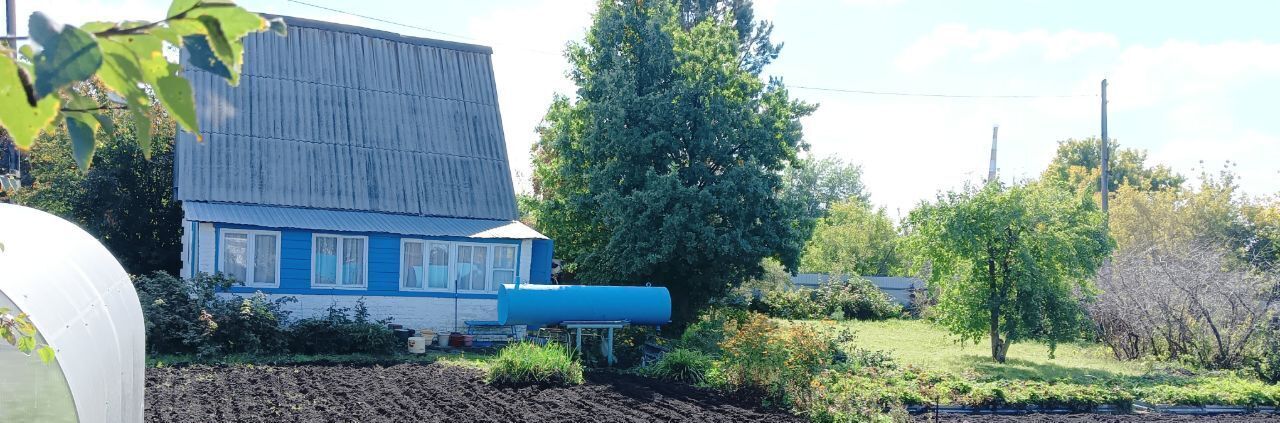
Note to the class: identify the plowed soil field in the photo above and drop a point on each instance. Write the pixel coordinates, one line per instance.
(424, 393)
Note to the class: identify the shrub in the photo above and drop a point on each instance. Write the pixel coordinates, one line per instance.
(1267, 363)
(792, 304)
(707, 332)
(777, 361)
(1182, 300)
(682, 365)
(245, 325)
(529, 363)
(342, 330)
(854, 298)
(185, 316)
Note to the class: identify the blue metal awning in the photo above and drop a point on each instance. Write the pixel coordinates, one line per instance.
(355, 221)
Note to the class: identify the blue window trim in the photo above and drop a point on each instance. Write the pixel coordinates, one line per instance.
(398, 292)
(349, 292)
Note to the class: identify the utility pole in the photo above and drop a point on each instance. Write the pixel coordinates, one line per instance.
(991, 172)
(11, 23)
(13, 158)
(1106, 154)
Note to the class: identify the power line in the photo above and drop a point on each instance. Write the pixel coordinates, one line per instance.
(424, 29)
(840, 90)
(909, 94)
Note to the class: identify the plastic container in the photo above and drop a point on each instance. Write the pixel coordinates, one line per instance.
(428, 336)
(403, 334)
(442, 339)
(468, 340)
(417, 345)
(455, 340)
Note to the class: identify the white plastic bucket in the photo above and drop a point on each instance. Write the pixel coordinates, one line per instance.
(417, 345)
(442, 339)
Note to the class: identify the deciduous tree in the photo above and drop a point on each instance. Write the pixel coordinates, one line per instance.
(1076, 166)
(666, 166)
(853, 239)
(1011, 262)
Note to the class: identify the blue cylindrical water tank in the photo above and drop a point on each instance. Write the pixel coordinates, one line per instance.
(540, 305)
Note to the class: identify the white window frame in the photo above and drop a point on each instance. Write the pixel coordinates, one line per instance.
(339, 284)
(515, 262)
(426, 259)
(452, 283)
(250, 254)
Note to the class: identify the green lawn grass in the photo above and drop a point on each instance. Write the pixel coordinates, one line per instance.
(926, 345)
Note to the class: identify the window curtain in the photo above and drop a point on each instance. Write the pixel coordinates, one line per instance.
(326, 261)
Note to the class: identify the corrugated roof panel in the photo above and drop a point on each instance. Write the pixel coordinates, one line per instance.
(326, 85)
(355, 221)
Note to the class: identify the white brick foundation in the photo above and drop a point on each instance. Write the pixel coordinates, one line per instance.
(437, 314)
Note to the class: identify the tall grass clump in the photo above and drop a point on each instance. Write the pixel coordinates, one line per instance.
(682, 365)
(529, 363)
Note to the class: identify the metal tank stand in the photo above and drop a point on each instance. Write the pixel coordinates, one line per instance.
(606, 347)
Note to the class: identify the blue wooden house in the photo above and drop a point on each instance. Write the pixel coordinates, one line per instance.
(353, 163)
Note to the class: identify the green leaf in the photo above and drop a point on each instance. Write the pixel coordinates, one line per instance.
(23, 122)
(26, 344)
(185, 27)
(69, 55)
(221, 46)
(81, 127)
(180, 6)
(278, 26)
(80, 101)
(201, 56)
(46, 353)
(167, 34)
(175, 93)
(148, 50)
(98, 26)
(226, 28)
(142, 130)
(122, 73)
(108, 127)
(27, 52)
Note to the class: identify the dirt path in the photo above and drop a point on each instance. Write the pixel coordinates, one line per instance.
(423, 393)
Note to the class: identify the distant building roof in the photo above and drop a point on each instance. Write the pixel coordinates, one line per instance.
(355, 221)
(341, 117)
(899, 288)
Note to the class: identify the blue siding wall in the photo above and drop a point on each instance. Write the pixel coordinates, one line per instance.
(540, 261)
(384, 264)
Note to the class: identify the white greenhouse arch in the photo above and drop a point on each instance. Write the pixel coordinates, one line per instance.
(83, 304)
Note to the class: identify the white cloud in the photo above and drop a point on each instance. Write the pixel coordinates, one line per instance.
(529, 68)
(911, 148)
(985, 45)
(1183, 71)
(872, 3)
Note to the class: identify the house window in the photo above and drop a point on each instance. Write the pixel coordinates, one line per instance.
(472, 263)
(424, 264)
(339, 261)
(504, 266)
(251, 257)
(438, 266)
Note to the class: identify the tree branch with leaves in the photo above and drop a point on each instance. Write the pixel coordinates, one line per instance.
(37, 82)
(128, 59)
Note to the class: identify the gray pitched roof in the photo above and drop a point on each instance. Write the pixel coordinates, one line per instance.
(341, 117)
(355, 221)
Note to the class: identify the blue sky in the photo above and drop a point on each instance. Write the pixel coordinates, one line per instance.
(1190, 81)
